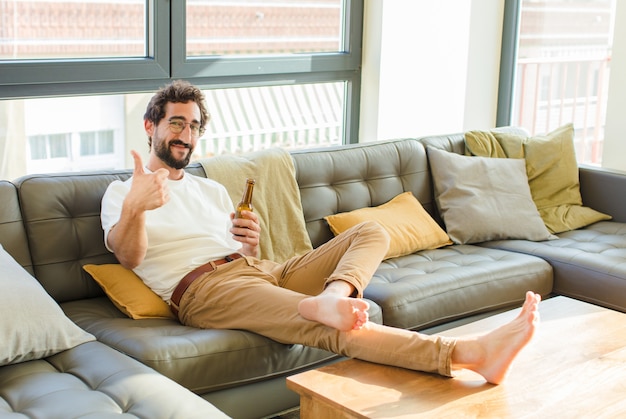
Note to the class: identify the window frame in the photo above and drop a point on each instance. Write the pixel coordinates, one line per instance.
(508, 61)
(166, 61)
(51, 77)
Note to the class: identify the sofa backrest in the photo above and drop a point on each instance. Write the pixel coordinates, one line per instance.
(456, 142)
(343, 178)
(12, 234)
(61, 216)
(61, 212)
(56, 229)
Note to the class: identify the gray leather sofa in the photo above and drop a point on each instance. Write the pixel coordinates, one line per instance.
(89, 380)
(55, 230)
(589, 263)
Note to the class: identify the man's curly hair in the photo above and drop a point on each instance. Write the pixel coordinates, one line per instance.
(178, 91)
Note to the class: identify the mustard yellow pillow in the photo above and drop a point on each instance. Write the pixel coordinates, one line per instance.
(128, 292)
(552, 172)
(410, 227)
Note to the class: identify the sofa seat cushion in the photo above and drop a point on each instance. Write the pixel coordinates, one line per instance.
(200, 360)
(589, 263)
(435, 286)
(93, 380)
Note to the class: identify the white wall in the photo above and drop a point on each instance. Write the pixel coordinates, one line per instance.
(614, 153)
(432, 67)
(483, 64)
(429, 67)
(135, 134)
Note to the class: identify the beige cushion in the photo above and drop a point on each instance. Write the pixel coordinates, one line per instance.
(552, 173)
(33, 325)
(482, 199)
(128, 292)
(410, 227)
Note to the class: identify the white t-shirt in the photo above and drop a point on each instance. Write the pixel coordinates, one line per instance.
(191, 229)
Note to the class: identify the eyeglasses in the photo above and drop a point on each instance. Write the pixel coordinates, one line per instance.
(177, 126)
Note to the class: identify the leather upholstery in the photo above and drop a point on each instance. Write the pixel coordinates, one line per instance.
(430, 287)
(594, 184)
(61, 214)
(93, 380)
(340, 179)
(61, 232)
(201, 360)
(12, 233)
(589, 263)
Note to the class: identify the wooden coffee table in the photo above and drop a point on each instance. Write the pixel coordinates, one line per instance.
(574, 367)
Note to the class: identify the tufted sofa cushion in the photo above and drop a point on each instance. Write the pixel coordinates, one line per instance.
(201, 360)
(93, 380)
(581, 258)
(435, 286)
(342, 179)
(89, 380)
(425, 288)
(12, 233)
(61, 213)
(62, 219)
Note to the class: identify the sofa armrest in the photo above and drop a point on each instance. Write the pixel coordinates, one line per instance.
(604, 190)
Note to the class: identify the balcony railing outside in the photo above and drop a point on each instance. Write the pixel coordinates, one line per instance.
(554, 91)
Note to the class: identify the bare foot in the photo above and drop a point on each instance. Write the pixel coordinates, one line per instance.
(491, 355)
(342, 313)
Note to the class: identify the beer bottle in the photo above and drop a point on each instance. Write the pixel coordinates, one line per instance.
(246, 199)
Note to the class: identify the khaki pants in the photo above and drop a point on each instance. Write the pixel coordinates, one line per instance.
(262, 296)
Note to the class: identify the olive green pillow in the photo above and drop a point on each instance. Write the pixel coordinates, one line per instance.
(485, 144)
(410, 227)
(552, 172)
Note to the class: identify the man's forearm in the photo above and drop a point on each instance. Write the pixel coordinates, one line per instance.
(128, 238)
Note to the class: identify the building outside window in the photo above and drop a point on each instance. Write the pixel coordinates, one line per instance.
(563, 68)
(276, 74)
(73, 134)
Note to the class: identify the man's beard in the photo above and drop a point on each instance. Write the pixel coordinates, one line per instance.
(163, 152)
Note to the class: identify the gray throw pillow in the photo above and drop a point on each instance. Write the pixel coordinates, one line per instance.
(482, 199)
(32, 324)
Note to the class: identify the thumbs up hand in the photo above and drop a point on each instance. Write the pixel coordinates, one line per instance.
(149, 190)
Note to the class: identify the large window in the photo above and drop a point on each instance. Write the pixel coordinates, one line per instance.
(556, 65)
(263, 27)
(276, 73)
(254, 118)
(67, 29)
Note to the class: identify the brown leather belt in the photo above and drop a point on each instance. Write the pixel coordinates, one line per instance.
(193, 275)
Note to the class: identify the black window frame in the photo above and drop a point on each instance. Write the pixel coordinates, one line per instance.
(508, 62)
(166, 61)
